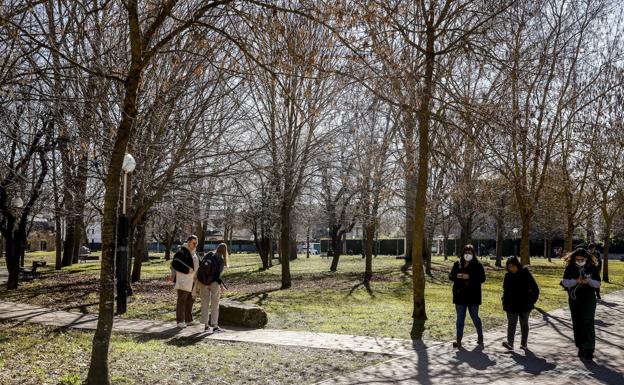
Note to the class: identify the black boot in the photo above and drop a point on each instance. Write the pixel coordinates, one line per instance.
(457, 344)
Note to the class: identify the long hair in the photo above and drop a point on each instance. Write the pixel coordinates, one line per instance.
(513, 261)
(222, 250)
(571, 257)
(466, 248)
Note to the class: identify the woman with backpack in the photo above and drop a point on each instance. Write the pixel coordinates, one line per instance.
(520, 293)
(467, 276)
(210, 286)
(581, 279)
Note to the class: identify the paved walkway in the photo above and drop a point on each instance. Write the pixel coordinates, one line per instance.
(552, 359)
(4, 277)
(157, 329)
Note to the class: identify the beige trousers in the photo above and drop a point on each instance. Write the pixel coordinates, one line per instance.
(210, 296)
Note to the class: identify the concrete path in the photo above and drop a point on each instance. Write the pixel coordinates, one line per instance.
(551, 359)
(4, 277)
(164, 330)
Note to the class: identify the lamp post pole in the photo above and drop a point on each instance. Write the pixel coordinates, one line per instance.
(122, 241)
(17, 203)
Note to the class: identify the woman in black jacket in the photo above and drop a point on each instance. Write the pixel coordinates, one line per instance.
(467, 276)
(520, 292)
(581, 279)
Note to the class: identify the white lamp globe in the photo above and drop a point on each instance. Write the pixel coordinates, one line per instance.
(128, 163)
(17, 202)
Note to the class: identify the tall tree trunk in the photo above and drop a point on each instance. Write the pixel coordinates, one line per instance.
(138, 250)
(168, 245)
(336, 243)
(569, 235)
(525, 243)
(444, 247)
(98, 369)
(284, 242)
(549, 250)
(58, 226)
(410, 201)
(466, 230)
(78, 237)
(420, 210)
(369, 240)
(308, 242)
(605, 257)
(12, 262)
(68, 244)
(499, 241)
(80, 186)
(200, 231)
(427, 251)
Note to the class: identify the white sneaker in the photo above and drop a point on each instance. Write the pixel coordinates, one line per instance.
(181, 325)
(216, 329)
(192, 323)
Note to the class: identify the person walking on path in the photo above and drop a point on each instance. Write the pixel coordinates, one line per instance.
(210, 286)
(467, 276)
(520, 293)
(184, 266)
(591, 248)
(581, 279)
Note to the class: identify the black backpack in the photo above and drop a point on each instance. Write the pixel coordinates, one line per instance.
(207, 268)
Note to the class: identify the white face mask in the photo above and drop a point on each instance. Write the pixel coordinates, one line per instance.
(468, 257)
(580, 264)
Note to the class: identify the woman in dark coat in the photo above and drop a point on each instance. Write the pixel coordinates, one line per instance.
(581, 279)
(520, 292)
(467, 276)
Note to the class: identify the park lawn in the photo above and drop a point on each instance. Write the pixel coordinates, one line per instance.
(36, 354)
(319, 300)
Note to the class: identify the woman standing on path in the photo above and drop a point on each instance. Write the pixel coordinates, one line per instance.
(210, 286)
(184, 267)
(467, 276)
(520, 292)
(581, 279)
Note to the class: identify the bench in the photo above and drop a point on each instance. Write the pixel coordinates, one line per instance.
(32, 272)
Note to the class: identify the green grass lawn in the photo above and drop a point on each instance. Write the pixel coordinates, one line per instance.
(319, 300)
(36, 354)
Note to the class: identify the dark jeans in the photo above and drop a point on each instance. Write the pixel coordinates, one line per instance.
(512, 321)
(461, 317)
(184, 307)
(583, 314)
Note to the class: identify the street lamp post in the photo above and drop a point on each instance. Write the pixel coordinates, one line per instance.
(122, 241)
(515, 233)
(17, 203)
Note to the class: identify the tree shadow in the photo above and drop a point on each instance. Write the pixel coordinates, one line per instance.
(533, 364)
(81, 308)
(604, 374)
(261, 295)
(476, 358)
(188, 340)
(422, 364)
(171, 333)
(366, 284)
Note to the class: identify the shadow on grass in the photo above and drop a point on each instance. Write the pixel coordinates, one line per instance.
(171, 333)
(261, 296)
(82, 307)
(189, 340)
(366, 285)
